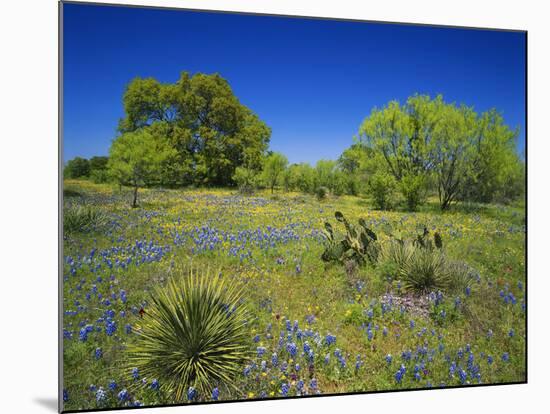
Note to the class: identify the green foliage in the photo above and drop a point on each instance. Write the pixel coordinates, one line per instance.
(413, 189)
(359, 245)
(381, 188)
(425, 271)
(321, 193)
(194, 334)
(136, 158)
(246, 180)
(82, 219)
(77, 168)
(273, 169)
(204, 122)
(464, 155)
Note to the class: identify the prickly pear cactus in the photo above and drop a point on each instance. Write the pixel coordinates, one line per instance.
(358, 245)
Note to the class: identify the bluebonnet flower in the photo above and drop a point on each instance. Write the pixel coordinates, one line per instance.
(385, 331)
(389, 359)
(489, 359)
(274, 359)
(65, 395)
(490, 333)
(261, 351)
(128, 328)
(100, 395)
(330, 339)
(462, 375)
(155, 384)
(370, 334)
(417, 376)
(215, 394)
(112, 385)
(256, 338)
(83, 335)
(263, 365)
(467, 291)
(285, 389)
(399, 374)
(411, 324)
(123, 395)
(135, 373)
(313, 384)
(511, 333)
(93, 388)
(358, 363)
(110, 328)
(310, 319)
(300, 385)
(98, 353)
(505, 357)
(123, 297)
(327, 358)
(288, 325)
(291, 349)
(247, 370)
(191, 393)
(298, 269)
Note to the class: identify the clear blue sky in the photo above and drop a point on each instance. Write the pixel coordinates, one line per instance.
(312, 81)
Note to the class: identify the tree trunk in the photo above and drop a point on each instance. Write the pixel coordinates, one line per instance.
(134, 201)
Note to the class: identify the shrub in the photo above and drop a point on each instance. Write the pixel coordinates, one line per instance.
(82, 219)
(381, 187)
(412, 188)
(194, 334)
(246, 179)
(461, 275)
(321, 193)
(397, 252)
(425, 270)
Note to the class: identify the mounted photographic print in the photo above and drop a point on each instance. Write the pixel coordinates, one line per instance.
(258, 207)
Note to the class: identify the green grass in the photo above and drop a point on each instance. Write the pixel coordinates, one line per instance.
(272, 246)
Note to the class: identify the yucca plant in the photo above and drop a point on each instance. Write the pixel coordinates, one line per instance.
(194, 334)
(82, 219)
(424, 271)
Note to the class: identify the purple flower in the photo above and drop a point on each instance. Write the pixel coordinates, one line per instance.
(215, 394)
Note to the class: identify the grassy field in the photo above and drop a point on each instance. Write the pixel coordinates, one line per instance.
(318, 328)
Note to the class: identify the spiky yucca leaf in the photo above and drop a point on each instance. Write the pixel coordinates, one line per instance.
(425, 270)
(194, 334)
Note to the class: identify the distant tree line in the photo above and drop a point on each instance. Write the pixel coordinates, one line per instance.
(196, 132)
(94, 168)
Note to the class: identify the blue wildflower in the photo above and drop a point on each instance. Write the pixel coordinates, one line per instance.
(123, 395)
(215, 394)
(191, 393)
(100, 395)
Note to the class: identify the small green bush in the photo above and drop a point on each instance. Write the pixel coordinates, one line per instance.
(247, 180)
(381, 187)
(413, 189)
(321, 193)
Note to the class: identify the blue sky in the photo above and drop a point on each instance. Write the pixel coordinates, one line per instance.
(312, 81)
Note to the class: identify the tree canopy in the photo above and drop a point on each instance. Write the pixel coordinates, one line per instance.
(211, 131)
(468, 156)
(136, 157)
